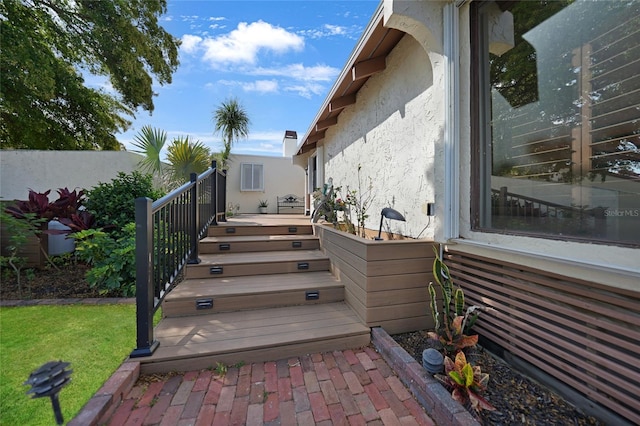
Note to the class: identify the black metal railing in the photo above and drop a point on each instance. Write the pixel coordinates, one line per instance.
(167, 235)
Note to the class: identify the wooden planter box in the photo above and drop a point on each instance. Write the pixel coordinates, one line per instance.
(385, 281)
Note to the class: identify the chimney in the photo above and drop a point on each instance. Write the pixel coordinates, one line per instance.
(290, 143)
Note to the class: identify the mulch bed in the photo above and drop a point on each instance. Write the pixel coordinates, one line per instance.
(65, 283)
(519, 400)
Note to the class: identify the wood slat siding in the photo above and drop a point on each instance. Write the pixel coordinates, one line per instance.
(584, 334)
(385, 281)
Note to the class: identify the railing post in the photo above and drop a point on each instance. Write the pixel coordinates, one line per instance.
(214, 191)
(222, 194)
(194, 216)
(145, 345)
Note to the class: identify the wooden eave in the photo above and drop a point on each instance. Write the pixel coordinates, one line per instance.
(367, 59)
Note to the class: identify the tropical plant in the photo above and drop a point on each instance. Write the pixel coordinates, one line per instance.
(466, 382)
(232, 121)
(263, 203)
(113, 203)
(113, 260)
(150, 142)
(37, 211)
(450, 334)
(19, 231)
(185, 157)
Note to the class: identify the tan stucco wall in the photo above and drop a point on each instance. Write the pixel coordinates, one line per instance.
(391, 132)
(44, 170)
(281, 177)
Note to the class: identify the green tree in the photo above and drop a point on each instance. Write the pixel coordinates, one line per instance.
(185, 157)
(44, 101)
(232, 121)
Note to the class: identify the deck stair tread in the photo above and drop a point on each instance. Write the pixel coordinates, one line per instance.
(234, 286)
(266, 334)
(260, 257)
(247, 229)
(251, 238)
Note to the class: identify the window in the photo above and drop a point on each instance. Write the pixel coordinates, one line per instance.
(556, 119)
(251, 177)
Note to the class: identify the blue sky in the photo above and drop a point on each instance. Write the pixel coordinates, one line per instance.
(278, 58)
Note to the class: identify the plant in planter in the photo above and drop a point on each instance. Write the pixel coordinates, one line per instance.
(465, 382)
(262, 206)
(450, 336)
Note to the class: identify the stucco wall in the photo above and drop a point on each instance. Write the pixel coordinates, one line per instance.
(391, 132)
(44, 170)
(281, 177)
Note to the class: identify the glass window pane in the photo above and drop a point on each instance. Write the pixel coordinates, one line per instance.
(563, 120)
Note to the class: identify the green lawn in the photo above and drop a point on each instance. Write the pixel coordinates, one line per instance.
(94, 339)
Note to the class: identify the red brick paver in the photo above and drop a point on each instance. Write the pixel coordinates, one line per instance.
(350, 387)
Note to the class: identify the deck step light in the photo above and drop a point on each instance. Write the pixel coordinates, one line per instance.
(48, 380)
(389, 213)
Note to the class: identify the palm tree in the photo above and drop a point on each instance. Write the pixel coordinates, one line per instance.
(186, 157)
(232, 122)
(150, 142)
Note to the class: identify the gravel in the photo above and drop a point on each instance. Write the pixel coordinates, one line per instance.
(519, 400)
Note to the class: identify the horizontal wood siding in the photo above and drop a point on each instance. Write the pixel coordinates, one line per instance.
(385, 281)
(584, 334)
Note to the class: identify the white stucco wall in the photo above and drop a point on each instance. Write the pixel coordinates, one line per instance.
(281, 177)
(391, 132)
(44, 170)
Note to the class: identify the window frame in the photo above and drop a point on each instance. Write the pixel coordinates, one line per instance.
(480, 137)
(243, 184)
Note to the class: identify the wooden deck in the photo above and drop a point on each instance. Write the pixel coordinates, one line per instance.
(262, 291)
(198, 342)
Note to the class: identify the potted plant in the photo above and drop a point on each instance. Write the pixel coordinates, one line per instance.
(262, 206)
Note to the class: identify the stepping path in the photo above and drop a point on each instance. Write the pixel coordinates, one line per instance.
(351, 387)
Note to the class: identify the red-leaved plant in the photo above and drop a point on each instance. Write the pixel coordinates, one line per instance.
(466, 382)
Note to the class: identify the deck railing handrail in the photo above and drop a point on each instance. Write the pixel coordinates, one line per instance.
(167, 234)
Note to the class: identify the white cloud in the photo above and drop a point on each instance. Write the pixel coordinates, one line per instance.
(243, 44)
(300, 72)
(329, 30)
(261, 86)
(190, 43)
(306, 90)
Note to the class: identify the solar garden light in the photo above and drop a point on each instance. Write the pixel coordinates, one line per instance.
(432, 361)
(48, 380)
(389, 213)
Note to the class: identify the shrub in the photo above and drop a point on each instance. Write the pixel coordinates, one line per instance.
(19, 231)
(113, 260)
(113, 204)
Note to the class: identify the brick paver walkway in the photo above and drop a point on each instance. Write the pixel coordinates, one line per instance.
(334, 388)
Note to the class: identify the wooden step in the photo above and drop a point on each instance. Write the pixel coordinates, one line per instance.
(254, 243)
(210, 295)
(260, 263)
(202, 341)
(244, 230)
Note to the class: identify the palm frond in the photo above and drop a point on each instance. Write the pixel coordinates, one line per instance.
(186, 157)
(150, 142)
